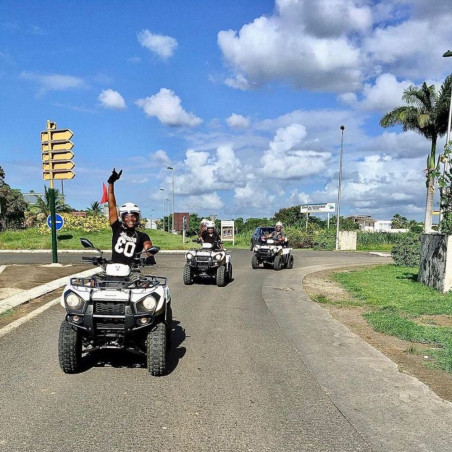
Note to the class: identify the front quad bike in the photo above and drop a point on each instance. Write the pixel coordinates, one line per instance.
(272, 254)
(120, 308)
(208, 261)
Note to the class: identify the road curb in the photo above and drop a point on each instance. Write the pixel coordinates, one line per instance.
(25, 296)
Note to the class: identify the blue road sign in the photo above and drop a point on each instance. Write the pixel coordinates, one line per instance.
(59, 221)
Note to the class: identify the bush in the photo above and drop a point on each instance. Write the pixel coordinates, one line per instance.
(325, 240)
(298, 238)
(407, 252)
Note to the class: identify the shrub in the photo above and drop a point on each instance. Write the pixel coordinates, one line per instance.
(325, 240)
(407, 252)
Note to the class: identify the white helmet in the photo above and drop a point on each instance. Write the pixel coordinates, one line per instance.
(129, 207)
(278, 224)
(203, 222)
(210, 224)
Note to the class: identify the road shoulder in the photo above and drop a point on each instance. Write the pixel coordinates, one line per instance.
(386, 406)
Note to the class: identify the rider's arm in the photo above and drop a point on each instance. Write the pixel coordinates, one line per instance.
(112, 211)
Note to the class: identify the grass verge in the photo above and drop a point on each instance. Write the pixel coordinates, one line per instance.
(400, 306)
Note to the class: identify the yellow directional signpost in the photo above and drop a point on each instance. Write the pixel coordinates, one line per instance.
(57, 164)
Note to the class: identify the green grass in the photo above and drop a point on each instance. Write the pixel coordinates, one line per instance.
(397, 301)
(67, 239)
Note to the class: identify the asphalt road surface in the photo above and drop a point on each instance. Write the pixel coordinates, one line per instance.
(236, 382)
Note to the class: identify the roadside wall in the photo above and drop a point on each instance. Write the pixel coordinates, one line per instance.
(435, 266)
(347, 240)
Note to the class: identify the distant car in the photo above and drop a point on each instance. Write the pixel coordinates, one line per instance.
(259, 234)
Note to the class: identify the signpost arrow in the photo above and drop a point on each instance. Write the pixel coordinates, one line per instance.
(58, 165)
(58, 175)
(56, 135)
(60, 155)
(56, 145)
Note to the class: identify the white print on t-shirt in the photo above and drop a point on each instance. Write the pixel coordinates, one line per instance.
(126, 245)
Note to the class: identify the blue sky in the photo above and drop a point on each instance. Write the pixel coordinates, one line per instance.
(244, 99)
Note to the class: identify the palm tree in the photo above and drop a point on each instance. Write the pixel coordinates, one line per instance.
(426, 113)
(43, 203)
(95, 208)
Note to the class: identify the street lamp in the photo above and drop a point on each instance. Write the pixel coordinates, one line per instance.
(152, 210)
(163, 209)
(172, 223)
(445, 163)
(339, 188)
(449, 54)
(168, 212)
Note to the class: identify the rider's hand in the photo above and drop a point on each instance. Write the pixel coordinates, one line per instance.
(114, 176)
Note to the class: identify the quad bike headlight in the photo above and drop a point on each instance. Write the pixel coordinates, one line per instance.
(189, 256)
(256, 247)
(73, 301)
(148, 304)
(219, 256)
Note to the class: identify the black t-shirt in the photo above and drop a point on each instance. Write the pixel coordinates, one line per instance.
(214, 238)
(126, 243)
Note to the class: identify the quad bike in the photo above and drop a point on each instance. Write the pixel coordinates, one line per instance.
(120, 308)
(272, 254)
(208, 261)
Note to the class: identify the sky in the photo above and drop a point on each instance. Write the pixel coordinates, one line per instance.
(244, 99)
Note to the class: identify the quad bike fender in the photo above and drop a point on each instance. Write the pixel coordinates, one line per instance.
(286, 251)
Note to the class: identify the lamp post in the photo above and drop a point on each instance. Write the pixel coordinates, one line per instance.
(172, 222)
(339, 188)
(163, 209)
(152, 210)
(168, 213)
(449, 54)
(445, 162)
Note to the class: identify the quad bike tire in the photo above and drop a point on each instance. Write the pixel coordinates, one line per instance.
(230, 272)
(188, 275)
(254, 262)
(290, 262)
(169, 326)
(277, 263)
(220, 277)
(156, 350)
(69, 349)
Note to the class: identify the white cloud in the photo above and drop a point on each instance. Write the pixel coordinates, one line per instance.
(54, 82)
(337, 45)
(166, 107)
(384, 95)
(163, 46)
(112, 100)
(286, 159)
(238, 121)
(160, 157)
(205, 172)
(204, 203)
(279, 47)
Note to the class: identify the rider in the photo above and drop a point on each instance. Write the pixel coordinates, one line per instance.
(126, 240)
(203, 227)
(210, 236)
(278, 234)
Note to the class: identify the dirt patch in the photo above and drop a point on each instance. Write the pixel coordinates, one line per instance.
(16, 278)
(410, 357)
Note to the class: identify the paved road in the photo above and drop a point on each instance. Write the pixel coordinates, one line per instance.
(240, 379)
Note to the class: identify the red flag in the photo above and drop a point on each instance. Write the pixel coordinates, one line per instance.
(104, 194)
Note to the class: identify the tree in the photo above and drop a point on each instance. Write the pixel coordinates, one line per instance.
(289, 216)
(426, 113)
(43, 204)
(12, 204)
(95, 209)
(399, 222)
